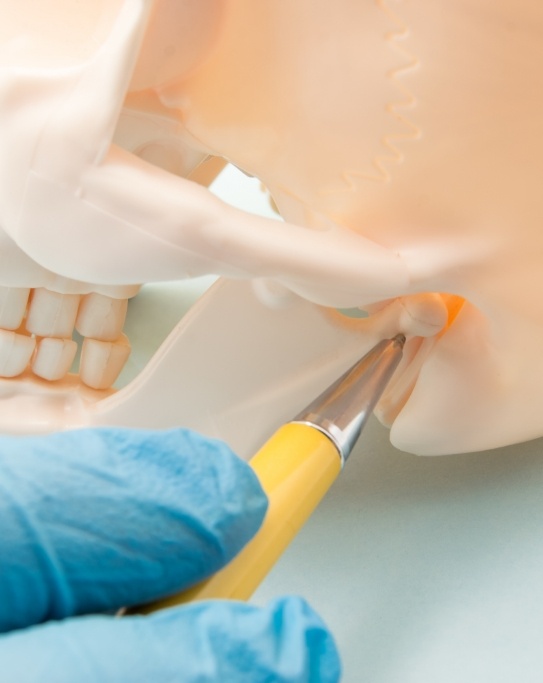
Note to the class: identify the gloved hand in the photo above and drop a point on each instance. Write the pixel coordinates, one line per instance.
(96, 519)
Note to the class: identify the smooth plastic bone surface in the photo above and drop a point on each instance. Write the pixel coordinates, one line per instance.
(399, 139)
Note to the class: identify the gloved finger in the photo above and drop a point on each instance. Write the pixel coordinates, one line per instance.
(96, 519)
(209, 641)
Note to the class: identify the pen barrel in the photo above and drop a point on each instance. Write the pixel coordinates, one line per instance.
(296, 467)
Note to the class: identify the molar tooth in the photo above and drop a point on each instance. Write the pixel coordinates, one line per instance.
(15, 352)
(102, 362)
(101, 317)
(52, 314)
(13, 301)
(53, 358)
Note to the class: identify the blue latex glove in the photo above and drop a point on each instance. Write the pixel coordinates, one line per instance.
(97, 519)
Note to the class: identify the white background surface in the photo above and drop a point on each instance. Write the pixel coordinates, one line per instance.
(427, 570)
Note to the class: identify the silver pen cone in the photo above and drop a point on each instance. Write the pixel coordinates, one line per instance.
(343, 409)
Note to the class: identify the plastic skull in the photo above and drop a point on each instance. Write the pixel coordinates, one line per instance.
(399, 139)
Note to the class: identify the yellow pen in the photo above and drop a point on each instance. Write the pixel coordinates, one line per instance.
(296, 467)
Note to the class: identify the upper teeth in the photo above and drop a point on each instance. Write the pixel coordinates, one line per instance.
(51, 314)
(38, 335)
(13, 301)
(101, 317)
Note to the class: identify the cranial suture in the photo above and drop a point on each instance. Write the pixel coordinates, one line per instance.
(400, 141)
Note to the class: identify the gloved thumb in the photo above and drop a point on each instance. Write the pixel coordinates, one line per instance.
(219, 642)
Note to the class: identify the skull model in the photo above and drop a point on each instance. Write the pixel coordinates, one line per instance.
(400, 141)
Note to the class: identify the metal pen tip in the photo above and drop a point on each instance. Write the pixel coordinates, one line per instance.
(343, 409)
